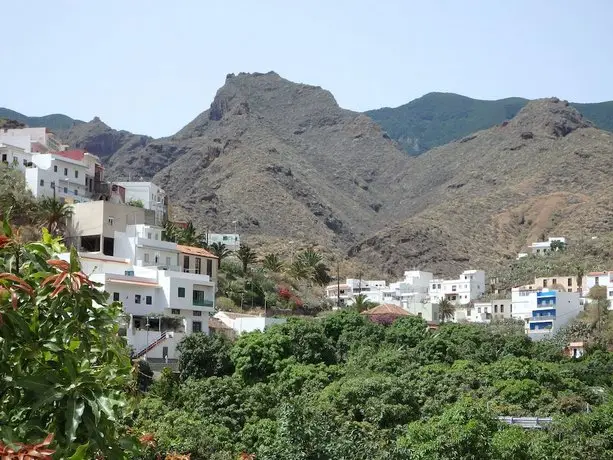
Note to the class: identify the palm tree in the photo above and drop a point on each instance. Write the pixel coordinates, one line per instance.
(580, 273)
(246, 255)
(221, 251)
(300, 271)
(54, 214)
(361, 303)
(310, 258)
(170, 232)
(190, 237)
(272, 263)
(446, 310)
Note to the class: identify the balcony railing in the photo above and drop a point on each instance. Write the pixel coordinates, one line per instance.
(543, 318)
(203, 303)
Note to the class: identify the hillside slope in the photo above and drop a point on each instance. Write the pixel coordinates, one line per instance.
(280, 158)
(479, 200)
(438, 118)
(55, 122)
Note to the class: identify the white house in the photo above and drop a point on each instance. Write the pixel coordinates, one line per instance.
(484, 312)
(600, 279)
(152, 196)
(468, 287)
(161, 306)
(231, 240)
(242, 322)
(352, 287)
(544, 311)
(543, 247)
(31, 139)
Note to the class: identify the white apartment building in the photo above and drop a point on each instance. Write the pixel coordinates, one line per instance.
(40, 140)
(152, 197)
(162, 305)
(354, 286)
(543, 247)
(468, 287)
(484, 312)
(231, 240)
(600, 279)
(544, 311)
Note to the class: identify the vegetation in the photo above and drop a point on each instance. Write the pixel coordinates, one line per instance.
(136, 203)
(438, 118)
(65, 373)
(54, 215)
(345, 387)
(187, 235)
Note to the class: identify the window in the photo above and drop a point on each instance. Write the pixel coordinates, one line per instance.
(167, 261)
(209, 267)
(197, 313)
(544, 283)
(175, 311)
(181, 292)
(115, 296)
(149, 235)
(76, 174)
(156, 236)
(42, 182)
(198, 265)
(65, 189)
(495, 308)
(502, 309)
(468, 312)
(197, 326)
(569, 290)
(596, 280)
(111, 220)
(55, 168)
(65, 171)
(419, 314)
(478, 309)
(198, 298)
(554, 281)
(186, 263)
(148, 300)
(146, 257)
(136, 298)
(4, 158)
(569, 282)
(453, 288)
(76, 192)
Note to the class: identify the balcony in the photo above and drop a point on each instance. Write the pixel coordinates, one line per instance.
(203, 303)
(543, 318)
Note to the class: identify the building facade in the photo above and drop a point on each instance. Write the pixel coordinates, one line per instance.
(467, 288)
(544, 247)
(484, 312)
(231, 240)
(150, 195)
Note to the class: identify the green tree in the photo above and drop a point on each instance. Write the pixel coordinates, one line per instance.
(446, 310)
(189, 236)
(136, 203)
(54, 215)
(220, 251)
(64, 368)
(272, 263)
(204, 356)
(170, 232)
(557, 246)
(246, 255)
(361, 303)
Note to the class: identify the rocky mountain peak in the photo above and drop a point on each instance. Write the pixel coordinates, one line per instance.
(551, 117)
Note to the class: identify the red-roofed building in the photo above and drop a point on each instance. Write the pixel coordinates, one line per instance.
(198, 261)
(74, 154)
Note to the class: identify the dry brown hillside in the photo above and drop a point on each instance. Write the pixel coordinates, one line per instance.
(479, 200)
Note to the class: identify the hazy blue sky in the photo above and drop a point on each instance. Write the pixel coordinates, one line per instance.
(150, 66)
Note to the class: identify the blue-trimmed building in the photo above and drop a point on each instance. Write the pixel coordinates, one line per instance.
(549, 311)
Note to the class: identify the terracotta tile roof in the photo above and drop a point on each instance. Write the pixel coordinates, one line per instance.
(195, 251)
(387, 309)
(74, 154)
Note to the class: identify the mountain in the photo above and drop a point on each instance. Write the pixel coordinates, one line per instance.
(280, 158)
(55, 122)
(102, 140)
(438, 118)
(94, 136)
(479, 200)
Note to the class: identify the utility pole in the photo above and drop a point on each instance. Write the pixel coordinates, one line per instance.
(338, 284)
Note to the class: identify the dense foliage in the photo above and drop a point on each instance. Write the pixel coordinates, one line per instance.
(65, 372)
(342, 387)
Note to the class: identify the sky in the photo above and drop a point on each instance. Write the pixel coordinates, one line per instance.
(151, 66)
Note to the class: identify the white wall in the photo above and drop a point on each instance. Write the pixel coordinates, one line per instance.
(249, 324)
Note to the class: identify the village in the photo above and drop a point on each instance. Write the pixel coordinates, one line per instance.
(168, 290)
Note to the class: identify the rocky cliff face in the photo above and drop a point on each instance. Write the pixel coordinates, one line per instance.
(282, 159)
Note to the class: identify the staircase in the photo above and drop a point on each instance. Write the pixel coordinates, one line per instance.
(151, 346)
